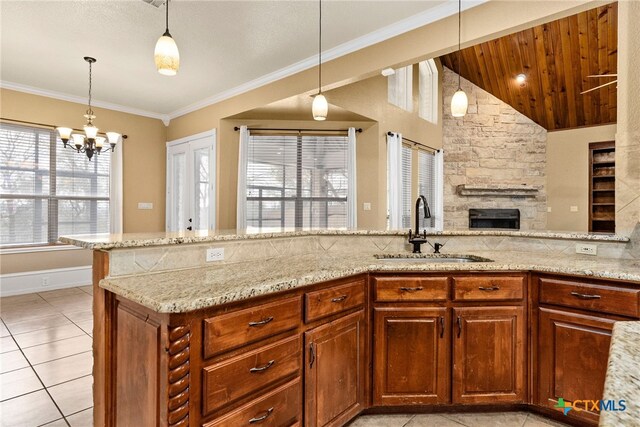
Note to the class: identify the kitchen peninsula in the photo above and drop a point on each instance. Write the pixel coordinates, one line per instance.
(313, 328)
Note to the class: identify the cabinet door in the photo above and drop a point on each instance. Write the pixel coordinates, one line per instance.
(335, 371)
(489, 361)
(572, 364)
(411, 361)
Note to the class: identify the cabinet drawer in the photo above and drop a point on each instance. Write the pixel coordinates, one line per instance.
(228, 331)
(411, 288)
(606, 299)
(281, 407)
(226, 382)
(325, 302)
(488, 288)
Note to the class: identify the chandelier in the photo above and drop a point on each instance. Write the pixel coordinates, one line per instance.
(89, 142)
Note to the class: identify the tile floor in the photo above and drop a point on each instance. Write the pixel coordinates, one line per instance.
(45, 359)
(46, 364)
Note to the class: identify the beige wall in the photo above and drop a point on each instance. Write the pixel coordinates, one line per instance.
(143, 167)
(568, 175)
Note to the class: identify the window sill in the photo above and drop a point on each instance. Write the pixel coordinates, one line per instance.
(32, 249)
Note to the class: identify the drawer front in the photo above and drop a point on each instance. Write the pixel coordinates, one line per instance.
(226, 382)
(606, 299)
(325, 302)
(411, 288)
(228, 331)
(488, 288)
(280, 408)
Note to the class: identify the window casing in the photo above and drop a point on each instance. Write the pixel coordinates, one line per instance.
(297, 181)
(46, 190)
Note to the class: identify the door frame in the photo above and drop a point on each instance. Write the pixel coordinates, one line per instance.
(212, 134)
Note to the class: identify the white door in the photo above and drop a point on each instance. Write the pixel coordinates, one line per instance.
(191, 184)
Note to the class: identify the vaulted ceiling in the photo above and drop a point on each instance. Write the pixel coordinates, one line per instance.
(556, 58)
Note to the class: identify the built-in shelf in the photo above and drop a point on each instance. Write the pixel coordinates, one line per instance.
(602, 173)
(497, 190)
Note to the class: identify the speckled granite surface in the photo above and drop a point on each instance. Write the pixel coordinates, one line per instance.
(192, 289)
(623, 375)
(118, 241)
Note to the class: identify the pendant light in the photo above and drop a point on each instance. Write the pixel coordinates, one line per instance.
(320, 107)
(459, 101)
(166, 53)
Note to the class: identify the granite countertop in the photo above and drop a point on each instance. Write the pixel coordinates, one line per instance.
(192, 289)
(132, 240)
(623, 375)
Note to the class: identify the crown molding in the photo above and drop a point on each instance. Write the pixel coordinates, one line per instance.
(82, 100)
(416, 21)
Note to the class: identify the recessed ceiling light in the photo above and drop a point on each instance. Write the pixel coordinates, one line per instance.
(521, 79)
(388, 72)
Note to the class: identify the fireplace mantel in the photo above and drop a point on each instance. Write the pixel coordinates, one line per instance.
(497, 190)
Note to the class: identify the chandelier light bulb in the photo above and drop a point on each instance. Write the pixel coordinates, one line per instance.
(91, 131)
(320, 107)
(64, 133)
(113, 138)
(78, 140)
(100, 140)
(459, 103)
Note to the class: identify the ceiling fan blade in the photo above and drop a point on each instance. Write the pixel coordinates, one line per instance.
(602, 75)
(599, 87)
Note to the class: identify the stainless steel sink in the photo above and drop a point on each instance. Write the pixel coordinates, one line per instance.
(431, 258)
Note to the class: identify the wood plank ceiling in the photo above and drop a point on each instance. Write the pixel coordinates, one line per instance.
(556, 58)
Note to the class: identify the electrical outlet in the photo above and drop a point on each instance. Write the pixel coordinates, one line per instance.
(573, 209)
(583, 248)
(215, 254)
(366, 206)
(548, 208)
(145, 205)
(45, 281)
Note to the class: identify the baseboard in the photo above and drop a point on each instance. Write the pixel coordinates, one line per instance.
(44, 280)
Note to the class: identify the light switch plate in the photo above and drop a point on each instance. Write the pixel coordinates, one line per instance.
(215, 254)
(145, 205)
(366, 206)
(584, 248)
(573, 209)
(548, 208)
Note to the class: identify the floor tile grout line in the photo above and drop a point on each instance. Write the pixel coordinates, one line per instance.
(23, 394)
(60, 358)
(45, 389)
(50, 342)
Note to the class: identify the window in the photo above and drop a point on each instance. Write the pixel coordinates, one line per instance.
(427, 185)
(428, 90)
(400, 88)
(297, 181)
(47, 190)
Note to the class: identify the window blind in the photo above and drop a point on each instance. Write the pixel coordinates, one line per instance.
(406, 186)
(47, 190)
(296, 181)
(427, 185)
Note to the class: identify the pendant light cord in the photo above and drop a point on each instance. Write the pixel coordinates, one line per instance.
(459, 26)
(320, 48)
(166, 31)
(90, 111)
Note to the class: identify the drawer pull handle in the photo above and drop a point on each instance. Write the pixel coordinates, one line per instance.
(262, 368)
(491, 288)
(416, 289)
(585, 296)
(262, 322)
(340, 298)
(262, 418)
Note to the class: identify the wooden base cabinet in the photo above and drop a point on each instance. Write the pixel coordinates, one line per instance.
(411, 357)
(335, 369)
(573, 352)
(489, 355)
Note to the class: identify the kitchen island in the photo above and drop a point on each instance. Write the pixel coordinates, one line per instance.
(174, 335)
